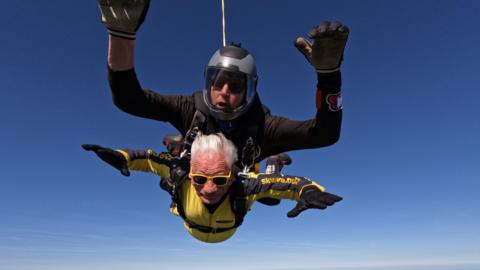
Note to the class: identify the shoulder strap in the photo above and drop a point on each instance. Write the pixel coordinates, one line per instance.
(238, 201)
(250, 153)
(197, 124)
(178, 175)
(255, 132)
(200, 102)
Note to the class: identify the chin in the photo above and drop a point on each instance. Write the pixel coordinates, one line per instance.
(209, 200)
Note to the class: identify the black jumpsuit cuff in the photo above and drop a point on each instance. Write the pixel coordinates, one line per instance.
(329, 82)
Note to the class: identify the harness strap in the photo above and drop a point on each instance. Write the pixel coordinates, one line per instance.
(195, 126)
(207, 229)
(238, 201)
(178, 174)
(250, 152)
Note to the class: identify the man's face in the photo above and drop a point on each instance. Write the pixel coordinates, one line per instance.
(227, 90)
(210, 164)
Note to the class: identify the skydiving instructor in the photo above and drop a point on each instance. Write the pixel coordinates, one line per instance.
(229, 102)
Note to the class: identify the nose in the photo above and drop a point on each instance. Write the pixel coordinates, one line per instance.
(225, 90)
(210, 187)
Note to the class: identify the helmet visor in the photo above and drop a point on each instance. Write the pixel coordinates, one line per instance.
(216, 79)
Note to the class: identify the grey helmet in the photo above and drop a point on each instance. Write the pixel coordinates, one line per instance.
(236, 63)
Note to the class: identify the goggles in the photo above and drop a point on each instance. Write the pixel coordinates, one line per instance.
(217, 78)
(201, 179)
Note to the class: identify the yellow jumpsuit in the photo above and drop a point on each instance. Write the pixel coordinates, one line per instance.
(257, 186)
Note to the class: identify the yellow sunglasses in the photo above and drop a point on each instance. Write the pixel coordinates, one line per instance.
(201, 179)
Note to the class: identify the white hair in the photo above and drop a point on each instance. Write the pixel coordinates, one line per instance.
(214, 143)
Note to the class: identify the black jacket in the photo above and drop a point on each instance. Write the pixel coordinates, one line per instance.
(276, 134)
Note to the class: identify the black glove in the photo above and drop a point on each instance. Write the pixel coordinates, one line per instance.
(312, 197)
(275, 163)
(326, 52)
(174, 144)
(110, 156)
(123, 17)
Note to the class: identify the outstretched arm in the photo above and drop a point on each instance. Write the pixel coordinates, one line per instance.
(137, 160)
(307, 193)
(148, 161)
(325, 54)
(122, 18)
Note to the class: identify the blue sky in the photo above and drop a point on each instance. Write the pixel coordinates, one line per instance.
(407, 162)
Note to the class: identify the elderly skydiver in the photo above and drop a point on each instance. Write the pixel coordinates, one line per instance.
(208, 193)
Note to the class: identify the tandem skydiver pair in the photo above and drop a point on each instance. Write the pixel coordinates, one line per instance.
(229, 106)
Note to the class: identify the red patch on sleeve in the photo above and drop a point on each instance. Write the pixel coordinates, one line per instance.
(334, 102)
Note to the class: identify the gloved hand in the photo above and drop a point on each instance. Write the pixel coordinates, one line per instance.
(110, 156)
(312, 197)
(326, 52)
(275, 163)
(123, 17)
(174, 144)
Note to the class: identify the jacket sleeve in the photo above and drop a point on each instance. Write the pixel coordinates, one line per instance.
(128, 96)
(148, 161)
(283, 134)
(276, 186)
